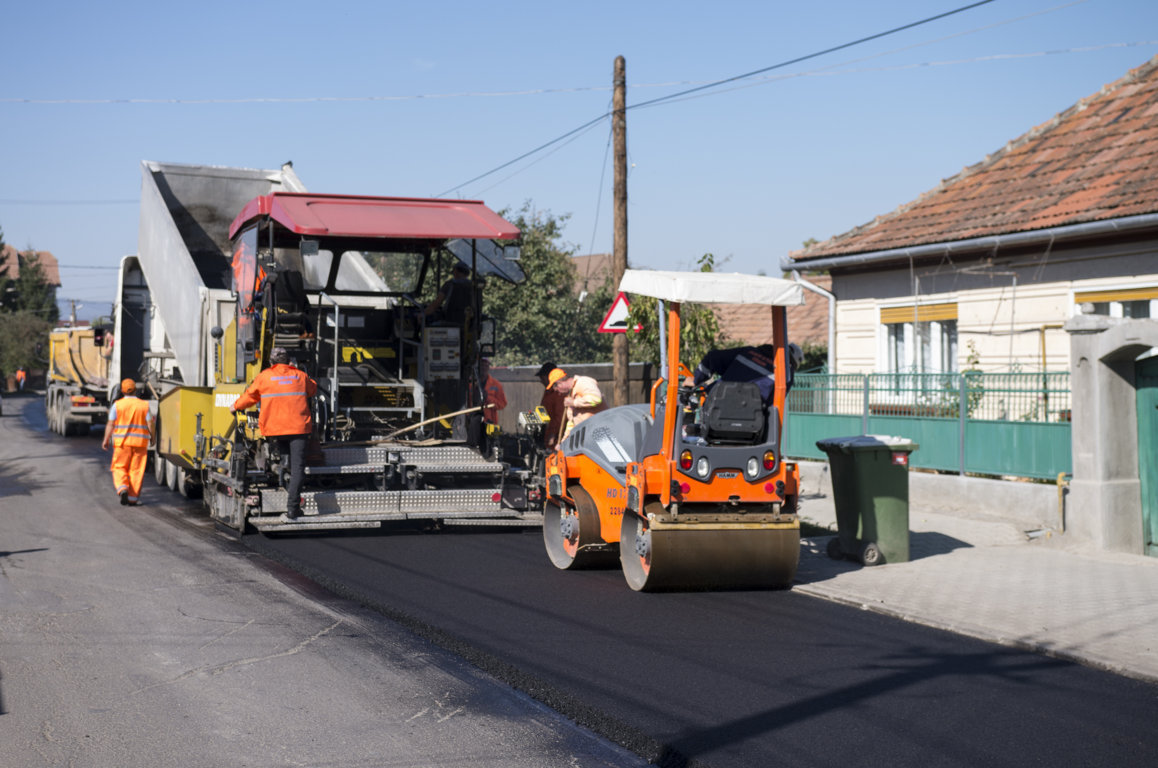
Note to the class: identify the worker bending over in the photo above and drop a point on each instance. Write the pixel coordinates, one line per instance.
(129, 430)
(581, 398)
(284, 393)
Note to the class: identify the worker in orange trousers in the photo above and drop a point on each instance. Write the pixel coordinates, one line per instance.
(129, 430)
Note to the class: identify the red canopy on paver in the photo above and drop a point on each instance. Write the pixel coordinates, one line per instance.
(356, 216)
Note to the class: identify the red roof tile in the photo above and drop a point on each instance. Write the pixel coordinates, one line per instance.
(1097, 160)
(747, 324)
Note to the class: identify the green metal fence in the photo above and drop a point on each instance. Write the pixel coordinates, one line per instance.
(989, 423)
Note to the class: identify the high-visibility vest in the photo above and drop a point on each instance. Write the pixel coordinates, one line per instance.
(282, 391)
(131, 422)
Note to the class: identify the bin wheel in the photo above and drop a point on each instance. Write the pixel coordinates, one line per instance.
(871, 554)
(833, 548)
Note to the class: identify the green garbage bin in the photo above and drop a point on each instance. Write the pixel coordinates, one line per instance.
(870, 487)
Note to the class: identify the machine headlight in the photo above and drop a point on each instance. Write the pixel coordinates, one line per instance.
(753, 467)
(702, 466)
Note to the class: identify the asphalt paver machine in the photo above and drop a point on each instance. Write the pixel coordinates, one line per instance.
(688, 491)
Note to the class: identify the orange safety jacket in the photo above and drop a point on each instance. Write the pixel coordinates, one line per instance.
(132, 422)
(282, 391)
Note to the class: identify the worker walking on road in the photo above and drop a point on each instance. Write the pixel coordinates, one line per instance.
(284, 393)
(21, 376)
(129, 430)
(581, 398)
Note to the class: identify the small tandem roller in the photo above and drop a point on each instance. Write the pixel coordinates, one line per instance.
(690, 491)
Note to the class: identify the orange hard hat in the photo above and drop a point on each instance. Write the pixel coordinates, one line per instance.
(128, 386)
(555, 376)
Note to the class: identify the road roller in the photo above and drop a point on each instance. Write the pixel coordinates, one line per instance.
(688, 491)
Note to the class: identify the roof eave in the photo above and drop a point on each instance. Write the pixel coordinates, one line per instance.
(980, 245)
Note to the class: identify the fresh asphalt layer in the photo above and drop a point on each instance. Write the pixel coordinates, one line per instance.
(749, 678)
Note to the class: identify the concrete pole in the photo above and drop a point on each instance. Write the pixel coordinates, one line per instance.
(619, 253)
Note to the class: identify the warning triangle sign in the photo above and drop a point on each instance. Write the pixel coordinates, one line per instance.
(615, 321)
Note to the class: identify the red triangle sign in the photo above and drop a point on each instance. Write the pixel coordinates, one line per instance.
(615, 321)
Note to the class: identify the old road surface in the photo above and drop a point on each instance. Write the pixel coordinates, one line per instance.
(700, 679)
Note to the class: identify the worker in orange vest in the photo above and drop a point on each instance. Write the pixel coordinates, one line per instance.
(284, 393)
(21, 375)
(129, 430)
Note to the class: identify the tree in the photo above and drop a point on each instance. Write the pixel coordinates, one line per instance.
(699, 329)
(31, 291)
(544, 318)
(28, 308)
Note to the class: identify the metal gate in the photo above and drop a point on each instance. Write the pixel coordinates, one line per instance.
(1146, 381)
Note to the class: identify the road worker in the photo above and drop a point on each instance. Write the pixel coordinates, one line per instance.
(494, 398)
(552, 402)
(129, 430)
(756, 364)
(21, 377)
(581, 398)
(283, 392)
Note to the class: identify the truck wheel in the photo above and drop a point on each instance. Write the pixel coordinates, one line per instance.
(159, 468)
(171, 477)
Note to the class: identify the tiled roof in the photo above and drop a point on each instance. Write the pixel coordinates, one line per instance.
(1097, 160)
(10, 264)
(747, 324)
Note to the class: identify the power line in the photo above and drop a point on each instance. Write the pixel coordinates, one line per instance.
(716, 83)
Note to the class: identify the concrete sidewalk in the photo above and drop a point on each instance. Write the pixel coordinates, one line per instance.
(980, 575)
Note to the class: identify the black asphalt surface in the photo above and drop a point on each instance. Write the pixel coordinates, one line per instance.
(732, 678)
(757, 678)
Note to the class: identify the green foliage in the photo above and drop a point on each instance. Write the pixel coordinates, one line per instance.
(30, 292)
(815, 358)
(27, 313)
(699, 328)
(543, 318)
(21, 333)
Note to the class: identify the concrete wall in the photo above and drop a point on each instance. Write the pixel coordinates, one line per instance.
(1029, 506)
(1105, 500)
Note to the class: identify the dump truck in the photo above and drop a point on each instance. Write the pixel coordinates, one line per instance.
(237, 262)
(77, 392)
(688, 491)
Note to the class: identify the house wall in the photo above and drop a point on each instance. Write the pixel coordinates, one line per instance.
(1011, 309)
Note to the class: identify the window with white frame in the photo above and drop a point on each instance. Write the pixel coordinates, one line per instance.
(1128, 302)
(921, 339)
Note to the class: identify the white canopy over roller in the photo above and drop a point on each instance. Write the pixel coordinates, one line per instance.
(712, 287)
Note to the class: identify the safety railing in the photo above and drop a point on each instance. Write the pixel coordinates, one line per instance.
(1015, 424)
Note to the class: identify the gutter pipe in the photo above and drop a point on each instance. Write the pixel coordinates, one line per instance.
(831, 314)
(989, 243)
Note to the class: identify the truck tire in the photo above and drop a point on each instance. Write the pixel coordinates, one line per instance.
(159, 468)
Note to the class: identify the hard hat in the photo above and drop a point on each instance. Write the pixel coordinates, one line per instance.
(128, 386)
(555, 376)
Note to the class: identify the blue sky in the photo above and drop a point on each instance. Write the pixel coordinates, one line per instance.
(389, 98)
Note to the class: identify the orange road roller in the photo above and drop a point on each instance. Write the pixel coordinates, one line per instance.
(688, 491)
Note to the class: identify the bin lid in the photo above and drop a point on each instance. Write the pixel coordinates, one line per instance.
(855, 443)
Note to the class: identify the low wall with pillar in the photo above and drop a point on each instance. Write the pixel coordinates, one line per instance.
(1105, 503)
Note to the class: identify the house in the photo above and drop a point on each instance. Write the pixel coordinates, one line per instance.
(11, 259)
(992, 262)
(1041, 257)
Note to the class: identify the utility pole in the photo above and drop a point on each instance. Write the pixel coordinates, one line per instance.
(619, 253)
